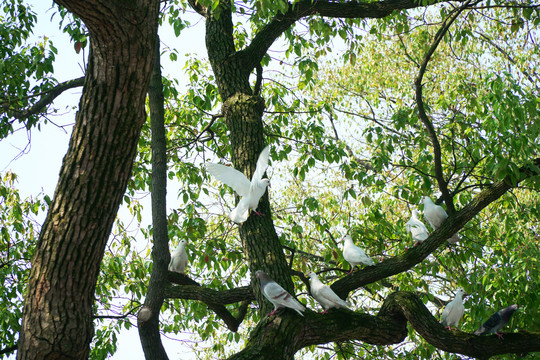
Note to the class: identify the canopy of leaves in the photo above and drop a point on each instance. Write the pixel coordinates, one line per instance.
(25, 69)
(349, 155)
(18, 236)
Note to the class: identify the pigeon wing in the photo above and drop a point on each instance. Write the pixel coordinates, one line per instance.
(490, 324)
(262, 164)
(417, 229)
(452, 313)
(331, 297)
(281, 298)
(178, 262)
(354, 255)
(231, 177)
(444, 316)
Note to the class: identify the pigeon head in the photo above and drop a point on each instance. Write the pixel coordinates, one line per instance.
(263, 278)
(181, 244)
(506, 313)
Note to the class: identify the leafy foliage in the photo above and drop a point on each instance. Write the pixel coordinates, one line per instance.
(24, 69)
(349, 155)
(18, 235)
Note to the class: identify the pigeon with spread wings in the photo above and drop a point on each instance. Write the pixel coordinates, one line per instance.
(250, 192)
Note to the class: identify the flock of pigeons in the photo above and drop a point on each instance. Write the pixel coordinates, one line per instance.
(250, 193)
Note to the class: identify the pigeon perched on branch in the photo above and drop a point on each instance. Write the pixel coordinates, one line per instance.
(277, 295)
(417, 228)
(497, 321)
(250, 192)
(324, 294)
(179, 258)
(354, 255)
(435, 216)
(453, 311)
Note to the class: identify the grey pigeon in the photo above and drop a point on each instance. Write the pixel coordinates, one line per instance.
(179, 258)
(324, 294)
(435, 216)
(354, 255)
(277, 295)
(497, 321)
(454, 310)
(417, 228)
(250, 192)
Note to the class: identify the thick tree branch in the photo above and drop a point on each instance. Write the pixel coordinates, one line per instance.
(46, 98)
(149, 327)
(209, 296)
(254, 53)
(389, 326)
(408, 306)
(437, 157)
(215, 300)
(258, 83)
(455, 222)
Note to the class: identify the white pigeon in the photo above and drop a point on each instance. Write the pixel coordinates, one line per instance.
(354, 255)
(417, 228)
(435, 216)
(453, 311)
(324, 294)
(277, 295)
(250, 192)
(179, 258)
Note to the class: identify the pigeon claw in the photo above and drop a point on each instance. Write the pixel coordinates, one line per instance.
(272, 312)
(258, 213)
(449, 327)
(499, 335)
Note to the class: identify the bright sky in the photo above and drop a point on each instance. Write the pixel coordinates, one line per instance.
(36, 156)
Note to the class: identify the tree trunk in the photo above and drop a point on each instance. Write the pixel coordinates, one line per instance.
(57, 318)
(149, 323)
(243, 113)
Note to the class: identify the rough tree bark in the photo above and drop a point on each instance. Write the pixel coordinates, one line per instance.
(57, 318)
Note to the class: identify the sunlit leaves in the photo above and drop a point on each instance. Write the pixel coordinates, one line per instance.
(24, 68)
(18, 236)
